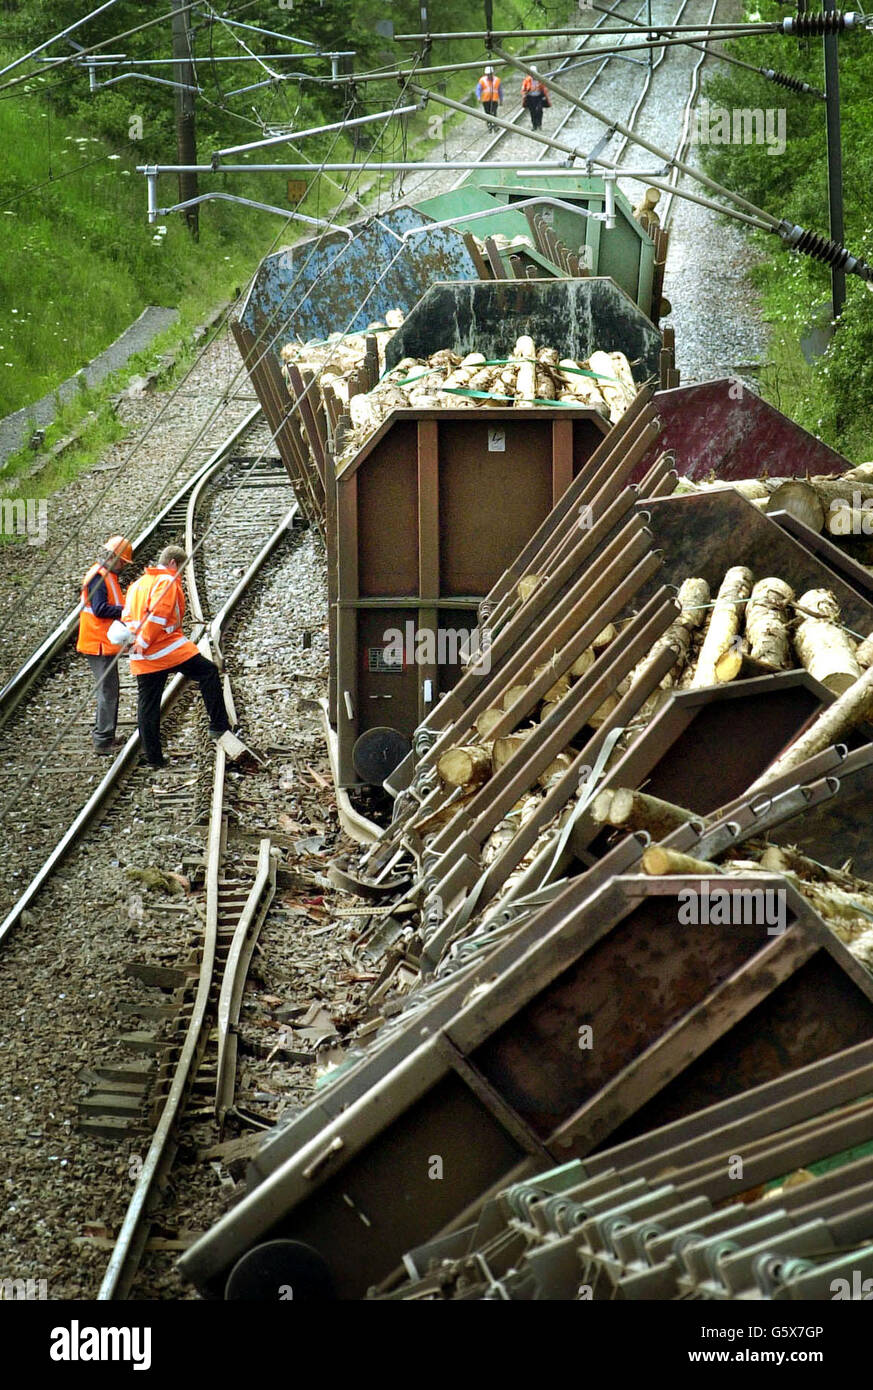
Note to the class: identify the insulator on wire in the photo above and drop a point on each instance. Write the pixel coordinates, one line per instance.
(794, 84)
(823, 249)
(808, 26)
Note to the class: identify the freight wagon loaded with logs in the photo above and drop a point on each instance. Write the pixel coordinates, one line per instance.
(621, 908)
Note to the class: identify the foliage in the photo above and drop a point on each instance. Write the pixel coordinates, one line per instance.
(832, 397)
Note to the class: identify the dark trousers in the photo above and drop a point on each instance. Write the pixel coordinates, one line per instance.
(536, 112)
(150, 688)
(104, 669)
(490, 107)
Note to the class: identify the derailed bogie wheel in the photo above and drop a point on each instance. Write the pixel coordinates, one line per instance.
(280, 1271)
(377, 752)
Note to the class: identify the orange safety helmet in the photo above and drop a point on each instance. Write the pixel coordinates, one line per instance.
(120, 546)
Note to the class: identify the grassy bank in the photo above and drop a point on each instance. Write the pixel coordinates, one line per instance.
(80, 260)
(830, 396)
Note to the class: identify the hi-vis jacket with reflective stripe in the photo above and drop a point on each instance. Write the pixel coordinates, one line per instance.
(154, 611)
(93, 630)
(489, 88)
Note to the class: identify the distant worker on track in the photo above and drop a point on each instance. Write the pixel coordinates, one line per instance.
(102, 604)
(153, 612)
(535, 99)
(490, 92)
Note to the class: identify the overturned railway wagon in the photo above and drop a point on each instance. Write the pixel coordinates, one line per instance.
(621, 910)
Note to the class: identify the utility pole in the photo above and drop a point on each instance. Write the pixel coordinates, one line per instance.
(186, 137)
(835, 157)
(422, 10)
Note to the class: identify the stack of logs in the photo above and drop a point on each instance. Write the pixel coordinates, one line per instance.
(342, 353)
(750, 629)
(840, 505)
(840, 898)
(347, 374)
(602, 382)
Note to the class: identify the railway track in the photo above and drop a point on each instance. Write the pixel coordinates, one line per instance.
(625, 92)
(234, 911)
(93, 894)
(46, 707)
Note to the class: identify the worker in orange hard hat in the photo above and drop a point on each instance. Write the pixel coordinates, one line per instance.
(153, 613)
(534, 98)
(102, 604)
(489, 91)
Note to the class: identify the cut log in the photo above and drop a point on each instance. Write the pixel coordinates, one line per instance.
(582, 390)
(862, 474)
(465, 766)
(849, 521)
(555, 770)
(605, 636)
(487, 721)
(768, 618)
(602, 713)
(693, 598)
(799, 499)
(514, 693)
(626, 809)
(545, 386)
(526, 385)
(864, 653)
(852, 493)
(586, 660)
(526, 586)
(730, 664)
(437, 819)
(825, 649)
(658, 860)
(558, 690)
(613, 391)
(724, 624)
(750, 488)
(851, 709)
(781, 858)
(504, 749)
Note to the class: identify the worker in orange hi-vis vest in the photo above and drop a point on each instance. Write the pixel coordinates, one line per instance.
(102, 602)
(534, 98)
(490, 93)
(153, 614)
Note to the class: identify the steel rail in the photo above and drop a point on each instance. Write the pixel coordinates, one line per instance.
(18, 685)
(540, 58)
(125, 757)
(652, 68)
(685, 136)
(124, 1260)
(245, 935)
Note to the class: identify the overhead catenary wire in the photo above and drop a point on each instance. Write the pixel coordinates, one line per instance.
(782, 79)
(757, 218)
(492, 38)
(240, 373)
(95, 48)
(402, 249)
(86, 703)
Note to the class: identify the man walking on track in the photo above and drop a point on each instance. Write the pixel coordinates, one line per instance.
(489, 92)
(535, 99)
(102, 602)
(153, 612)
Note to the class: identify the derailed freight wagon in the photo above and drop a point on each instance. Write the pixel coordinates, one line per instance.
(437, 502)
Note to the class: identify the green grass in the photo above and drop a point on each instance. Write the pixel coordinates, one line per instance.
(79, 260)
(831, 396)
